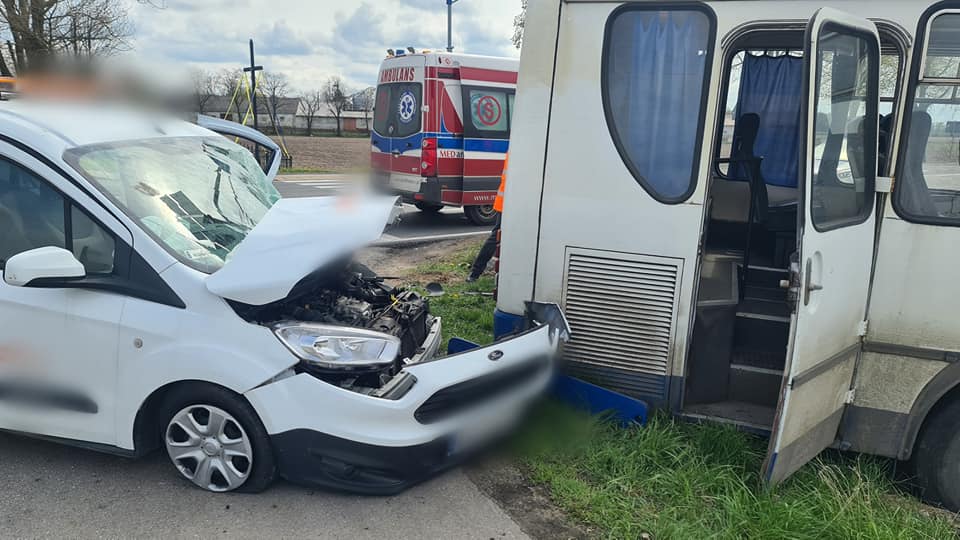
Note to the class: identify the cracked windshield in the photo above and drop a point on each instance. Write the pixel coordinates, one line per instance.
(198, 196)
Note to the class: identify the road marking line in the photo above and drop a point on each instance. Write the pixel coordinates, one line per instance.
(388, 239)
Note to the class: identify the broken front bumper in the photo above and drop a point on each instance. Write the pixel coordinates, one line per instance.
(326, 436)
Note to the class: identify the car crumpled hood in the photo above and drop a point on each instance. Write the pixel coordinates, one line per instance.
(295, 238)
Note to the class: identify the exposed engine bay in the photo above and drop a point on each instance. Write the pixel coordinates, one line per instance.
(350, 294)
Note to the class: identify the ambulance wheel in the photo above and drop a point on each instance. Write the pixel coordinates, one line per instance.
(936, 458)
(428, 208)
(215, 439)
(481, 215)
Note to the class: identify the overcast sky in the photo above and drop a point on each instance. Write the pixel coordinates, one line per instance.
(309, 40)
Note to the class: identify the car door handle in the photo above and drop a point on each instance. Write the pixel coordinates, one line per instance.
(808, 285)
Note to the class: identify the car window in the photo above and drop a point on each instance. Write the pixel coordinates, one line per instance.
(397, 112)
(381, 108)
(32, 215)
(198, 197)
(654, 69)
(92, 245)
(488, 112)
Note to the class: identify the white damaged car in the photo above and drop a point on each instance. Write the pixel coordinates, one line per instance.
(158, 293)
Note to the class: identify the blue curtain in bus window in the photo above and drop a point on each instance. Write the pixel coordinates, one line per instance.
(655, 69)
(771, 87)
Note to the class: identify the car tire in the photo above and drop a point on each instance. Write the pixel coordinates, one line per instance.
(236, 457)
(427, 208)
(481, 214)
(936, 458)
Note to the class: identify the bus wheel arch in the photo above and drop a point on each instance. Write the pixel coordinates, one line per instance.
(942, 389)
(932, 444)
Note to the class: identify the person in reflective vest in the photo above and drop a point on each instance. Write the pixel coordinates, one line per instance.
(490, 245)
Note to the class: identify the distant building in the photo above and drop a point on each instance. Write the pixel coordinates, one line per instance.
(291, 116)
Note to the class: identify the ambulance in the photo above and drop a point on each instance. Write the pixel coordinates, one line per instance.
(441, 129)
(798, 278)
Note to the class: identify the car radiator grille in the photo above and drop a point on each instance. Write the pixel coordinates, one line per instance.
(459, 397)
(621, 311)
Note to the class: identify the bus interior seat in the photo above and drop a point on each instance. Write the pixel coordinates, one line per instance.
(774, 207)
(915, 194)
(731, 199)
(883, 137)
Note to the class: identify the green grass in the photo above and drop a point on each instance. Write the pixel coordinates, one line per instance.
(675, 480)
(465, 313)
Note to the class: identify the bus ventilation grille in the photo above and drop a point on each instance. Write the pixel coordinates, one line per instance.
(621, 312)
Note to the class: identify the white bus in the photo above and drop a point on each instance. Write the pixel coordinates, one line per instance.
(778, 279)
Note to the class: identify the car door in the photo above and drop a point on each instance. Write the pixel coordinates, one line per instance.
(832, 271)
(58, 346)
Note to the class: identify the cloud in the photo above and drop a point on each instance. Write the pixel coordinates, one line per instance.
(310, 41)
(280, 39)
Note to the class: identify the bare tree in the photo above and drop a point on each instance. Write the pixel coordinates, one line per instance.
(42, 29)
(204, 88)
(229, 82)
(518, 23)
(363, 101)
(273, 86)
(311, 102)
(336, 97)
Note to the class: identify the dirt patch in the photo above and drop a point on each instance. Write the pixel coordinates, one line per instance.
(330, 154)
(527, 503)
(401, 262)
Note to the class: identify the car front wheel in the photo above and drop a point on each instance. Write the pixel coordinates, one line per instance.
(215, 440)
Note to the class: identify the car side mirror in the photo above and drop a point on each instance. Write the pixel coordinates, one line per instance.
(47, 266)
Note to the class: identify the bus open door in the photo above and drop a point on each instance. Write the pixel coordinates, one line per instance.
(830, 275)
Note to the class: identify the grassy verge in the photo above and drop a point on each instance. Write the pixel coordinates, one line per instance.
(676, 480)
(466, 311)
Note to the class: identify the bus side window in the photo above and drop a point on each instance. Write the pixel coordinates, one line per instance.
(654, 79)
(928, 185)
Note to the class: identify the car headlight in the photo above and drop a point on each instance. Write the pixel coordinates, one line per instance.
(336, 347)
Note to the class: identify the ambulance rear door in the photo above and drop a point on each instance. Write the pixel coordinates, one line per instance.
(398, 122)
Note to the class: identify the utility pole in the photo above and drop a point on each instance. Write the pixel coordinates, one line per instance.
(450, 4)
(253, 69)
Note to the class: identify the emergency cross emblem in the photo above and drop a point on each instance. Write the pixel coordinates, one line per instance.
(408, 105)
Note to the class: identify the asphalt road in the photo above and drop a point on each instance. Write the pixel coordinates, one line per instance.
(53, 491)
(414, 225)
